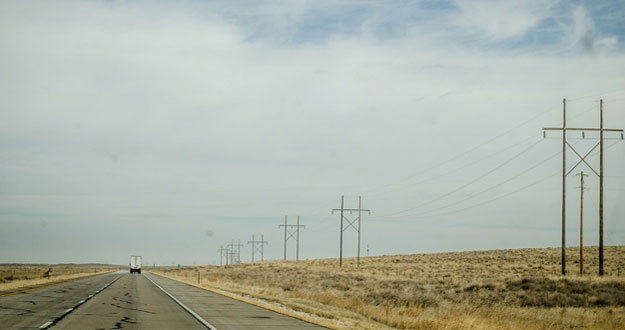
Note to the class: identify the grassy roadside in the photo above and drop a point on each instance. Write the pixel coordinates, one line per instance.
(503, 289)
(13, 277)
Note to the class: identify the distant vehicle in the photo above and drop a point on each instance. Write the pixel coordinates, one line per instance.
(135, 264)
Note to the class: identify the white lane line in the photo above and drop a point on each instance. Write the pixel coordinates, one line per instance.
(197, 317)
(69, 310)
(45, 325)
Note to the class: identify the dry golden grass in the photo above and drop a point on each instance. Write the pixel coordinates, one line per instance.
(502, 289)
(17, 276)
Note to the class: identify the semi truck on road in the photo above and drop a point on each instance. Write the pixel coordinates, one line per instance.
(135, 264)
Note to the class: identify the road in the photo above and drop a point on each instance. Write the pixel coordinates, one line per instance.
(34, 308)
(135, 301)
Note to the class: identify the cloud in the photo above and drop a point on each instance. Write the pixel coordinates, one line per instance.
(583, 29)
(172, 117)
(500, 20)
(583, 33)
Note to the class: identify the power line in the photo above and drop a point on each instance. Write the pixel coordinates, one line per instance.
(493, 186)
(467, 184)
(497, 185)
(408, 184)
(487, 201)
(463, 153)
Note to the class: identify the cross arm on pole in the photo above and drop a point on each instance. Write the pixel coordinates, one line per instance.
(352, 210)
(582, 129)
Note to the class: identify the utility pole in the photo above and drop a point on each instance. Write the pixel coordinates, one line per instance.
(292, 233)
(563, 186)
(227, 254)
(255, 246)
(239, 245)
(285, 229)
(235, 252)
(230, 255)
(350, 223)
(359, 210)
(581, 222)
(221, 255)
(239, 251)
(565, 173)
(297, 241)
(252, 241)
(262, 247)
(601, 187)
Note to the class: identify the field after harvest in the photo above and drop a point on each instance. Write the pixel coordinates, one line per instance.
(501, 289)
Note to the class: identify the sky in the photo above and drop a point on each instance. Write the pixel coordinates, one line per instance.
(170, 129)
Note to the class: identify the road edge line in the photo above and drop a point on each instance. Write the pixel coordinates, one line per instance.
(194, 314)
(50, 324)
(251, 300)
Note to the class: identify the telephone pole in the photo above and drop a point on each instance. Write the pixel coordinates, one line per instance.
(565, 173)
(581, 222)
(290, 233)
(256, 247)
(297, 241)
(350, 223)
(262, 249)
(235, 252)
(221, 255)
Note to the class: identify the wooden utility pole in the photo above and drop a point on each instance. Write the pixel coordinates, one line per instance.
(262, 249)
(297, 241)
(359, 214)
(252, 241)
(341, 240)
(294, 234)
(600, 187)
(255, 244)
(285, 228)
(565, 173)
(581, 222)
(563, 186)
(221, 255)
(235, 252)
(350, 223)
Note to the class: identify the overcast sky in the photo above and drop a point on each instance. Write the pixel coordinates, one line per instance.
(168, 129)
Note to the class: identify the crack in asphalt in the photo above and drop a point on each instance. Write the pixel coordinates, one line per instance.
(132, 309)
(117, 299)
(22, 310)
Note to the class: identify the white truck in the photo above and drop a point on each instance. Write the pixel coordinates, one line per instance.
(135, 264)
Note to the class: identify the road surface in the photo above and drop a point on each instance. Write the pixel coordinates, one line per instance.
(135, 301)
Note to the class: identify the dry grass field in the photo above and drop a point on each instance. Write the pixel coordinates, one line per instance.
(19, 275)
(501, 289)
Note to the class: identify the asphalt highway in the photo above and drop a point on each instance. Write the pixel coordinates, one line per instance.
(34, 308)
(135, 301)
